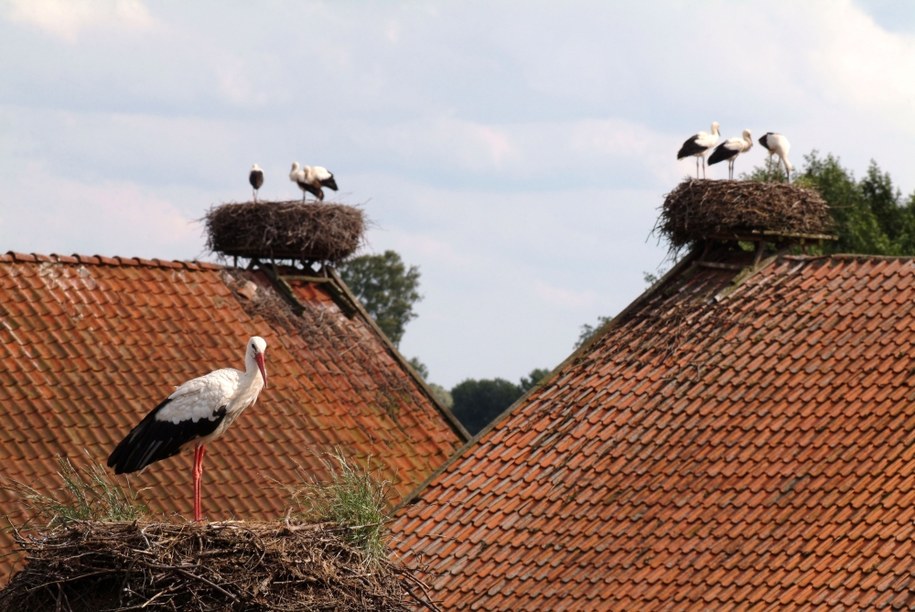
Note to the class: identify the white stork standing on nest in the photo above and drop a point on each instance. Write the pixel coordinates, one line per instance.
(777, 144)
(730, 149)
(698, 145)
(311, 179)
(256, 178)
(198, 411)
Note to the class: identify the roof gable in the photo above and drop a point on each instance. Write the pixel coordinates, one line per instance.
(732, 439)
(92, 344)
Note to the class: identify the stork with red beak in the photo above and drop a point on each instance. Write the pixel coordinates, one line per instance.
(198, 411)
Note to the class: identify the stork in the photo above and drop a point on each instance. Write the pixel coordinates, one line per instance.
(198, 411)
(311, 179)
(777, 144)
(698, 145)
(256, 178)
(730, 149)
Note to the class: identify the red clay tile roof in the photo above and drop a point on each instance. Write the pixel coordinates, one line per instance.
(730, 441)
(92, 344)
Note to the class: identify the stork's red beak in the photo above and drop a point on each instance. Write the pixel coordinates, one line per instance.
(259, 358)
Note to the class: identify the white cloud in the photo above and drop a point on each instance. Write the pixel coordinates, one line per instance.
(67, 19)
(861, 65)
(234, 78)
(425, 247)
(564, 297)
(107, 218)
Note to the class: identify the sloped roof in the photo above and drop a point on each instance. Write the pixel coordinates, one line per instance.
(732, 440)
(91, 344)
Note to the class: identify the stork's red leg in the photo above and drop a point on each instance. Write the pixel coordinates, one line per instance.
(199, 451)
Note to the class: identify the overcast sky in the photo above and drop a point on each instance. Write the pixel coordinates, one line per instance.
(515, 151)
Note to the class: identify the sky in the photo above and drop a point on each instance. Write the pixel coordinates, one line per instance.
(516, 151)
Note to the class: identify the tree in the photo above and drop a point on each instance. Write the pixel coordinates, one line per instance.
(530, 381)
(440, 393)
(856, 224)
(386, 287)
(588, 330)
(870, 216)
(421, 368)
(477, 402)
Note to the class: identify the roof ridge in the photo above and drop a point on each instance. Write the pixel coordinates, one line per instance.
(101, 260)
(683, 264)
(350, 305)
(845, 256)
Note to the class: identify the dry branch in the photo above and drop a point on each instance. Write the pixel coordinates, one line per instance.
(285, 230)
(217, 566)
(705, 209)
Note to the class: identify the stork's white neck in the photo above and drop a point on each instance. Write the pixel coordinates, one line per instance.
(249, 385)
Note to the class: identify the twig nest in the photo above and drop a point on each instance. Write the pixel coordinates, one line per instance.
(285, 230)
(216, 566)
(700, 210)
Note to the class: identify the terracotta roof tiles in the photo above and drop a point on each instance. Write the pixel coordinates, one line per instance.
(93, 343)
(731, 440)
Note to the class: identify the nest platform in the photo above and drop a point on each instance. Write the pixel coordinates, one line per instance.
(701, 210)
(323, 232)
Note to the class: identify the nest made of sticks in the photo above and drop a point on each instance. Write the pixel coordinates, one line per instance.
(285, 230)
(701, 209)
(218, 566)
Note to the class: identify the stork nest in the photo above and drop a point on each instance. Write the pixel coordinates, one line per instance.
(700, 210)
(218, 566)
(285, 230)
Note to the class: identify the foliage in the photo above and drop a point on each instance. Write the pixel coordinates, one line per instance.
(530, 381)
(354, 498)
(442, 394)
(588, 330)
(89, 495)
(871, 216)
(478, 402)
(386, 287)
(421, 368)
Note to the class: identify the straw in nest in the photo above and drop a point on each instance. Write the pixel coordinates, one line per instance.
(700, 210)
(285, 230)
(217, 566)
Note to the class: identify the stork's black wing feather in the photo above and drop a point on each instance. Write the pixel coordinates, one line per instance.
(721, 153)
(764, 140)
(690, 147)
(154, 439)
(315, 191)
(330, 183)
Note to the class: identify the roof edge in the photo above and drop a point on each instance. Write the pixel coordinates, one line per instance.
(846, 257)
(681, 265)
(101, 260)
(347, 301)
(346, 292)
